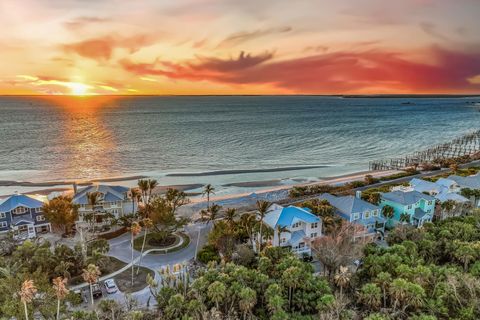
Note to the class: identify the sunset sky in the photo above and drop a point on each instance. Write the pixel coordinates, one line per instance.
(239, 47)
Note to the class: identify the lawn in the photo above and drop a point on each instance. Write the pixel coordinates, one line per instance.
(137, 243)
(150, 242)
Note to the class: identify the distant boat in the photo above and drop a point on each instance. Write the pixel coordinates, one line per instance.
(407, 103)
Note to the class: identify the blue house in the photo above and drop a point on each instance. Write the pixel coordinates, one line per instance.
(360, 212)
(294, 227)
(23, 215)
(411, 207)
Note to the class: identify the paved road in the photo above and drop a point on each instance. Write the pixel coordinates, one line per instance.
(120, 248)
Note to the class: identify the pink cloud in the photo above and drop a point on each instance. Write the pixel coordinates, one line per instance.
(338, 72)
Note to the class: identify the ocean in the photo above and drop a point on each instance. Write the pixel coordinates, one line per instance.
(223, 140)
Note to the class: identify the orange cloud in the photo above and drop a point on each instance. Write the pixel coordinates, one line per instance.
(339, 72)
(102, 48)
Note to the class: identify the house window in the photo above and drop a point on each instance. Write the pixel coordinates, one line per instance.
(38, 210)
(409, 207)
(313, 235)
(2, 215)
(296, 225)
(356, 216)
(41, 218)
(301, 245)
(283, 240)
(375, 213)
(3, 224)
(367, 214)
(430, 202)
(19, 210)
(314, 225)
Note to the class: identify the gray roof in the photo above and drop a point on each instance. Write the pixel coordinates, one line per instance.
(112, 193)
(26, 219)
(406, 198)
(472, 182)
(419, 214)
(348, 204)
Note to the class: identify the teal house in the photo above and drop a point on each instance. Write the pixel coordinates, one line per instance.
(411, 207)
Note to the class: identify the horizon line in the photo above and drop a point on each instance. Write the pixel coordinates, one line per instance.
(247, 95)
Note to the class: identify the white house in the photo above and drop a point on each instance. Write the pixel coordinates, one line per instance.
(443, 189)
(294, 227)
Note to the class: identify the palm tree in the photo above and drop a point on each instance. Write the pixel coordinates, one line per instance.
(291, 277)
(90, 275)
(93, 199)
(405, 217)
(134, 195)
(61, 291)
(207, 191)
(248, 298)
(135, 229)
(230, 215)
(212, 214)
(217, 292)
(27, 293)
(147, 224)
(63, 269)
(342, 278)
(398, 291)
(249, 221)
(262, 209)
(152, 183)
(143, 185)
(388, 212)
(277, 233)
(384, 279)
(370, 295)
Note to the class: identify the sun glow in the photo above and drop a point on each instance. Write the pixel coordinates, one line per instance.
(78, 89)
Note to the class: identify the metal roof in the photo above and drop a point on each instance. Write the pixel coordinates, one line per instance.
(406, 198)
(348, 204)
(285, 217)
(19, 200)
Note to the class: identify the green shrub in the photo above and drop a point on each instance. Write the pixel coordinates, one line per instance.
(207, 254)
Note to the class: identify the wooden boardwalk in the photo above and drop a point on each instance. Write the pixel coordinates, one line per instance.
(466, 145)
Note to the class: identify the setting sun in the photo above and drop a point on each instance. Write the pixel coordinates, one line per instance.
(78, 89)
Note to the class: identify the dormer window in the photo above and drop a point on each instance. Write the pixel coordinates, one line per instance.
(366, 215)
(356, 216)
(375, 213)
(20, 210)
(3, 215)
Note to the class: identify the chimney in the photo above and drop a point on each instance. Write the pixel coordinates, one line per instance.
(74, 188)
(358, 194)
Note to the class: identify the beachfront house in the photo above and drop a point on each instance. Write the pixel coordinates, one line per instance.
(112, 200)
(360, 212)
(471, 182)
(411, 207)
(22, 215)
(443, 189)
(294, 227)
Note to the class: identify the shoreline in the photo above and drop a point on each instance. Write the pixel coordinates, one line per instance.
(264, 186)
(340, 179)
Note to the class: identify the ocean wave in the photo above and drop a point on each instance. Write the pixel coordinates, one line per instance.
(241, 171)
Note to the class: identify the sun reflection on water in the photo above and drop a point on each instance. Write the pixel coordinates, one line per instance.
(91, 145)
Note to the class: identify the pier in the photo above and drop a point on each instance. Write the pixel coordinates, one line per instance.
(465, 146)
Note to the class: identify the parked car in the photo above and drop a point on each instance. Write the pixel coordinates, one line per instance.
(97, 291)
(110, 286)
